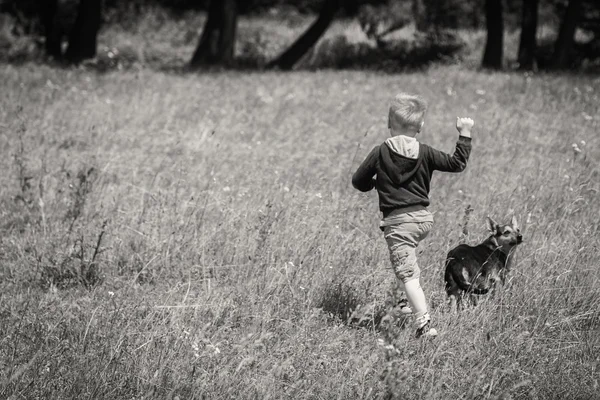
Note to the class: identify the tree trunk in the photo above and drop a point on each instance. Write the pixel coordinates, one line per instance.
(83, 37)
(52, 32)
(527, 44)
(419, 12)
(493, 55)
(308, 39)
(217, 42)
(564, 42)
(228, 32)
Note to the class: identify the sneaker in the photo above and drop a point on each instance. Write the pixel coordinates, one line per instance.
(426, 330)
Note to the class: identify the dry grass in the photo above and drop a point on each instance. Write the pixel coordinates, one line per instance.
(196, 236)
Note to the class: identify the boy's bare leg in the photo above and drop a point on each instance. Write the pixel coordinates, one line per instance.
(417, 300)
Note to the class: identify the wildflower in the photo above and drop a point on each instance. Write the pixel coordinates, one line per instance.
(111, 294)
(460, 191)
(227, 189)
(582, 142)
(480, 92)
(319, 195)
(286, 189)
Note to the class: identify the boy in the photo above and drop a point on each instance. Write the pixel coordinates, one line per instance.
(403, 169)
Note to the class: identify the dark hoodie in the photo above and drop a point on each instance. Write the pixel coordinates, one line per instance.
(403, 179)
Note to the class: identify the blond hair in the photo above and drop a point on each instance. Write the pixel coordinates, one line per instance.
(407, 112)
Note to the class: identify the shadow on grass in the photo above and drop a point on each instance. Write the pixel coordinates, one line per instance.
(344, 302)
(336, 52)
(415, 53)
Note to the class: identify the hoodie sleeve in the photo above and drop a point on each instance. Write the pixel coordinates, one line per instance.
(363, 177)
(457, 162)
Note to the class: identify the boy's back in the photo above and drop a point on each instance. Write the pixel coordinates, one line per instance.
(403, 169)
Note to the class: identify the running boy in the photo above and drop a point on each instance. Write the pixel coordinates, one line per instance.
(403, 168)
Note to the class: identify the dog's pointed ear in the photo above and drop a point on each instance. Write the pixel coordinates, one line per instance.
(514, 223)
(492, 225)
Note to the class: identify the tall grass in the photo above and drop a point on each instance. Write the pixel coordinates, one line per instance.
(196, 236)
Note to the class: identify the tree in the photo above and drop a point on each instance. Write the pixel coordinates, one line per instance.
(564, 42)
(52, 32)
(84, 34)
(217, 42)
(308, 39)
(527, 43)
(493, 54)
(83, 37)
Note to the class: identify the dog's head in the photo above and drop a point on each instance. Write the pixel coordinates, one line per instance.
(506, 236)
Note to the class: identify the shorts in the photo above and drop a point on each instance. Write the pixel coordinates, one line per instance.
(402, 240)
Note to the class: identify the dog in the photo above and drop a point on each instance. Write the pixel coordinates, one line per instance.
(475, 270)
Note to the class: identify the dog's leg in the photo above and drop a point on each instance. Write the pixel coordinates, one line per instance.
(474, 299)
(493, 290)
(452, 290)
(459, 301)
(453, 303)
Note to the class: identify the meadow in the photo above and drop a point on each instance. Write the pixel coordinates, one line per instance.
(196, 236)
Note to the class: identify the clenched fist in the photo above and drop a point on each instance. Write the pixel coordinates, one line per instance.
(464, 125)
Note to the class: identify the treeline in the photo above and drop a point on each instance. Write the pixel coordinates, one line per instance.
(378, 18)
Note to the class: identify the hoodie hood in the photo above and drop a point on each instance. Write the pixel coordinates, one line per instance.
(399, 157)
(404, 145)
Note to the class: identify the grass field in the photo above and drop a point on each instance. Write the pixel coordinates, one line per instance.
(197, 236)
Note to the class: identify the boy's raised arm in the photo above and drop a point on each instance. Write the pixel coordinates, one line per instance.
(363, 177)
(456, 162)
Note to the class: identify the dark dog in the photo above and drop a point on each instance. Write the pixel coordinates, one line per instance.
(475, 270)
